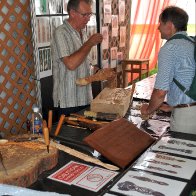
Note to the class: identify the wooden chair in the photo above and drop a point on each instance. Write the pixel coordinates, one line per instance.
(138, 66)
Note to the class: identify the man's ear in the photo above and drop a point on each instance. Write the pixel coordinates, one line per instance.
(72, 13)
(172, 27)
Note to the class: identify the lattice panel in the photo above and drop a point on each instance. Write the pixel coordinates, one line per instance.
(114, 41)
(17, 92)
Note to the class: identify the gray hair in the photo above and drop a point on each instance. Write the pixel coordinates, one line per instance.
(74, 4)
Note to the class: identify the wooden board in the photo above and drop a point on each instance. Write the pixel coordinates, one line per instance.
(120, 141)
(24, 161)
(115, 101)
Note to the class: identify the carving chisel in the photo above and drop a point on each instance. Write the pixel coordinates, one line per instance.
(46, 137)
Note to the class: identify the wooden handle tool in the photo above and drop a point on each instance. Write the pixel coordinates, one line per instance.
(46, 137)
(82, 156)
(50, 120)
(60, 123)
(44, 124)
(85, 120)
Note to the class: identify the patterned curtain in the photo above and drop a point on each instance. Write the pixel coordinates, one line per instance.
(145, 40)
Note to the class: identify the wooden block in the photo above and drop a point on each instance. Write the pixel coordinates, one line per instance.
(24, 161)
(120, 141)
(115, 101)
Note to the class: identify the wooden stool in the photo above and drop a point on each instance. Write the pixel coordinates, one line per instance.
(134, 66)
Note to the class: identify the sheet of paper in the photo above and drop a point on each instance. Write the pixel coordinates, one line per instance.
(142, 183)
(157, 126)
(176, 146)
(166, 164)
(95, 179)
(68, 173)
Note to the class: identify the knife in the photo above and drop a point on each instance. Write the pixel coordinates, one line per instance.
(1, 161)
(29, 139)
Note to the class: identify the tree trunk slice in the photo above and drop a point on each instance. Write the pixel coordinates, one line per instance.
(25, 161)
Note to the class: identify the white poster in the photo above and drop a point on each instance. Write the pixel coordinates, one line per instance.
(166, 164)
(114, 25)
(43, 31)
(107, 11)
(105, 42)
(176, 146)
(142, 183)
(121, 10)
(122, 36)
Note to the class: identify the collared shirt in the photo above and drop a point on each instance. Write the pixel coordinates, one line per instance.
(66, 41)
(176, 60)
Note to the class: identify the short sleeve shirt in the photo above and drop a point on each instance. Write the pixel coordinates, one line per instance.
(176, 60)
(66, 93)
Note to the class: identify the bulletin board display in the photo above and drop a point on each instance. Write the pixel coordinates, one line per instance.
(49, 15)
(115, 28)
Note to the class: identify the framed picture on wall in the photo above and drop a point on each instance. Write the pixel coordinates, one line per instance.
(121, 10)
(41, 7)
(65, 6)
(56, 7)
(105, 42)
(114, 25)
(43, 31)
(122, 36)
(45, 62)
(107, 7)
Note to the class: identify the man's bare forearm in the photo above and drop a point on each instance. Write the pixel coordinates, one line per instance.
(157, 98)
(75, 59)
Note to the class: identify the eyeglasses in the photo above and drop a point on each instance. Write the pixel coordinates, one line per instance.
(85, 14)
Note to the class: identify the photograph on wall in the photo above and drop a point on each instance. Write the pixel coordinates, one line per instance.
(119, 57)
(55, 21)
(105, 63)
(43, 31)
(45, 62)
(105, 42)
(65, 6)
(122, 36)
(121, 10)
(107, 10)
(41, 7)
(113, 53)
(56, 7)
(140, 183)
(114, 25)
(113, 63)
(113, 56)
